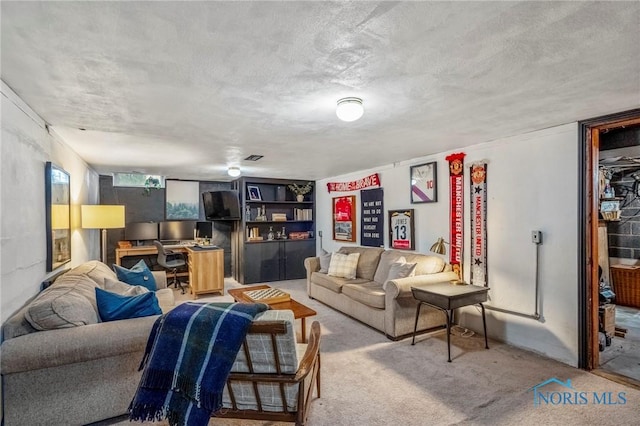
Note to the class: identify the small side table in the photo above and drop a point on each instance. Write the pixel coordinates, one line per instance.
(447, 297)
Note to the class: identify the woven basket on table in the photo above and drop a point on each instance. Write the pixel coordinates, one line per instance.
(626, 285)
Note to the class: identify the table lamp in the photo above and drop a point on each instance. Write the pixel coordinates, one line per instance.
(102, 217)
(439, 248)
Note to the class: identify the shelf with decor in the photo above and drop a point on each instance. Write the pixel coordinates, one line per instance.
(272, 210)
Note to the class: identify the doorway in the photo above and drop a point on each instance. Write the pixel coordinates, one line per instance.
(597, 331)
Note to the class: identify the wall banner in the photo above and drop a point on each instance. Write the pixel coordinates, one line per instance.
(356, 185)
(456, 187)
(372, 218)
(479, 224)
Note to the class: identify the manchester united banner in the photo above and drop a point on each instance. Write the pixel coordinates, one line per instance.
(479, 225)
(456, 186)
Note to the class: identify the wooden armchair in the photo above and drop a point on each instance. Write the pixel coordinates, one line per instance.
(273, 376)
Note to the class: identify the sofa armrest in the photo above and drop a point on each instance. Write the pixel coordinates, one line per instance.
(311, 264)
(52, 348)
(401, 287)
(161, 278)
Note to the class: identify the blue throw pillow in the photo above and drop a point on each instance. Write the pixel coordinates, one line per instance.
(139, 274)
(112, 306)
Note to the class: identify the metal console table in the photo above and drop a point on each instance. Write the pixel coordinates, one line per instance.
(447, 297)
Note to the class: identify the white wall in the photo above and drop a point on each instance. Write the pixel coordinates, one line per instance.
(532, 185)
(26, 146)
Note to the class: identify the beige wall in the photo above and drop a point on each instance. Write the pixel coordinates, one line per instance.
(26, 146)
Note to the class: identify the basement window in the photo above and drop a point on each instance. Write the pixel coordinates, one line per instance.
(138, 180)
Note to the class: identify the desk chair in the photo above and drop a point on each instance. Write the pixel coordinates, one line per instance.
(171, 261)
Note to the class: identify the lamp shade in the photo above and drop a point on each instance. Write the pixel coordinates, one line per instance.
(102, 217)
(349, 109)
(439, 246)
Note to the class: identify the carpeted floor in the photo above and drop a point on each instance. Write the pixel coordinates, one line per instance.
(370, 380)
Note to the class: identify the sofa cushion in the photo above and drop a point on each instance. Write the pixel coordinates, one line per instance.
(139, 274)
(325, 260)
(69, 302)
(166, 299)
(93, 269)
(368, 261)
(124, 289)
(369, 293)
(425, 264)
(343, 265)
(165, 296)
(333, 283)
(113, 306)
(400, 269)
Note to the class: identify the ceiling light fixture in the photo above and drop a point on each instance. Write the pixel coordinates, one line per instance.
(349, 109)
(233, 171)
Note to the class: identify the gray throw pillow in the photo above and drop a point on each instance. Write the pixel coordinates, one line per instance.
(325, 260)
(400, 269)
(122, 288)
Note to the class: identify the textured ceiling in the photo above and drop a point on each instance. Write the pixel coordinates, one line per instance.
(186, 89)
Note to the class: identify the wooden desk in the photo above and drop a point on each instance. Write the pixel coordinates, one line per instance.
(206, 266)
(299, 310)
(142, 251)
(206, 270)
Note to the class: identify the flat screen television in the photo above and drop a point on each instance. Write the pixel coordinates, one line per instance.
(177, 230)
(141, 231)
(221, 205)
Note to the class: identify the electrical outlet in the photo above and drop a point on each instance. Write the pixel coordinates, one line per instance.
(536, 237)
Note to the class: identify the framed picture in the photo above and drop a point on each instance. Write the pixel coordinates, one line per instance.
(57, 214)
(254, 193)
(423, 183)
(344, 218)
(182, 200)
(401, 229)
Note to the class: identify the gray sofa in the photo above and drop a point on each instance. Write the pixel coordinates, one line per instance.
(388, 308)
(84, 372)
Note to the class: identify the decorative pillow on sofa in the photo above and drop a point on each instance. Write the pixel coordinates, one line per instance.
(69, 302)
(139, 274)
(343, 265)
(123, 289)
(112, 306)
(400, 269)
(325, 260)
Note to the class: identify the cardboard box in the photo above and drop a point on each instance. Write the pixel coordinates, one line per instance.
(608, 319)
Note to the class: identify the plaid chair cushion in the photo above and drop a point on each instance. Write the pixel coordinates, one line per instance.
(344, 265)
(263, 360)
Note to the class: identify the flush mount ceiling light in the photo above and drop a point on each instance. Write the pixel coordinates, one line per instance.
(233, 171)
(349, 109)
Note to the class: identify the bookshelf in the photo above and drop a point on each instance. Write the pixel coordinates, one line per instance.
(271, 211)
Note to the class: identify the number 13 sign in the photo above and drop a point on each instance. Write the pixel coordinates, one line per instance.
(401, 229)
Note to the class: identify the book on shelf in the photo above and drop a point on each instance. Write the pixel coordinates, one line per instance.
(303, 214)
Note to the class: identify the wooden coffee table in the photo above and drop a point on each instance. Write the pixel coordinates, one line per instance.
(299, 310)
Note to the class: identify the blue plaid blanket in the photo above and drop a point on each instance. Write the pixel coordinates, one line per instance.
(188, 358)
